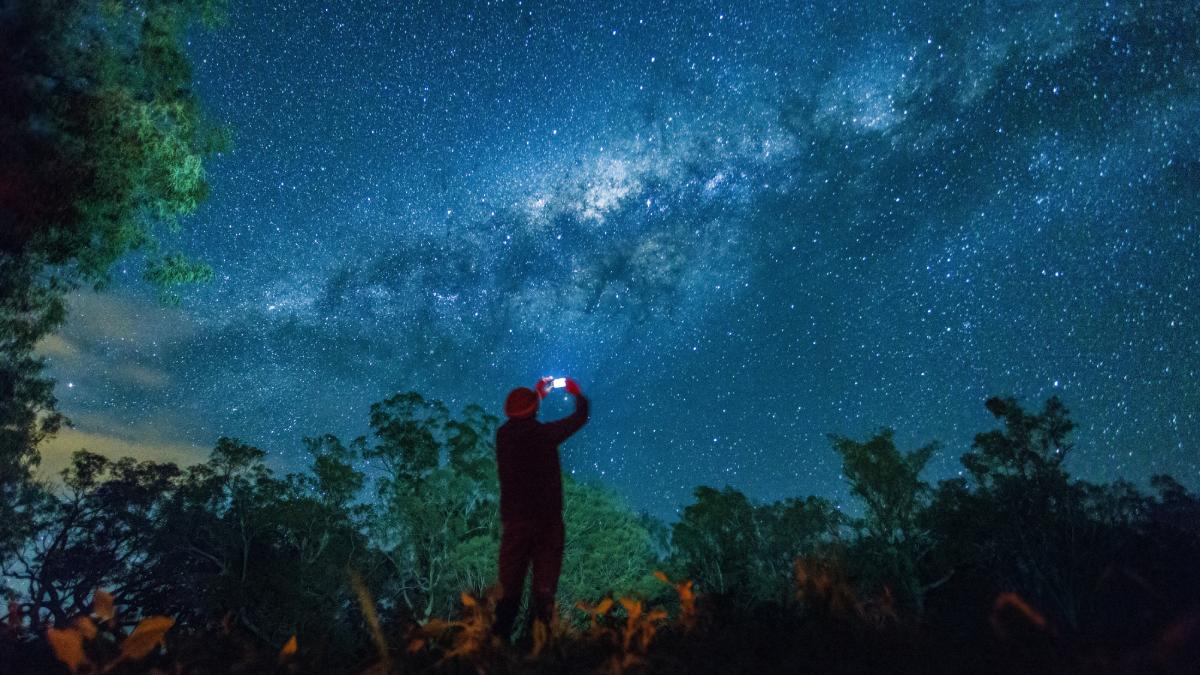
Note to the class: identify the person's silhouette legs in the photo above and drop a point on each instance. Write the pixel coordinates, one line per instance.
(547, 565)
(520, 545)
(516, 549)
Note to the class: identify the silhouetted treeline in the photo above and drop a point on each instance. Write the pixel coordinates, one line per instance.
(1016, 560)
(1102, 576)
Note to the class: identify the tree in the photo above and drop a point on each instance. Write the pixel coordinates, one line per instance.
(608, 549)
(104, 146)
(793, 528)
(889, 484)
(96, 535)
(1032, 510)
(222, 539)
(272, 553)
(104, 136)
(1172, 531)
(28, 413)
(436, 515)
(715, 541)
(1030, 448)
(1024, 523)
(660, 534)
(732, 547)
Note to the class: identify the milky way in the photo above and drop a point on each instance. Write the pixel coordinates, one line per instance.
(741, 227)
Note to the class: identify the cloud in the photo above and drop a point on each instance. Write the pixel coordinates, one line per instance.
(139, 376)
(58, 348)
(117, 363)
(56, 452)
(113, 342)
(96, 317)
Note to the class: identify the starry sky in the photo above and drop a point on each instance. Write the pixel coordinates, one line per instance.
(740, 226)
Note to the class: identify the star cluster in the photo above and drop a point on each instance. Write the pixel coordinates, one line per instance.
(740, 226)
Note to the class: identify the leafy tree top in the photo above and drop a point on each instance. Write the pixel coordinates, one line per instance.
(1029, 447)
(887, 480)
(104, 136)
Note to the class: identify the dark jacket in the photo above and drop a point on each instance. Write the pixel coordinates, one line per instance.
(527, 461)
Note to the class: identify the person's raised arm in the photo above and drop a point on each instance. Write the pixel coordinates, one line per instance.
(561, 430)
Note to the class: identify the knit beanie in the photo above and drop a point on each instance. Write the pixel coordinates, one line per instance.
(521, 402)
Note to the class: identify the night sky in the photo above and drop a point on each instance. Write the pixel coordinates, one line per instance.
(740, 226)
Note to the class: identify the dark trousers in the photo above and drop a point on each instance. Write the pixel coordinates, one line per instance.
(523, 543)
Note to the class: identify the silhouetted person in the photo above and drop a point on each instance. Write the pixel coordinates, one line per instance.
(531, 501)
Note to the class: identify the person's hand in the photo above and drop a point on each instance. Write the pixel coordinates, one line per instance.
(543, 386)
(573, 387)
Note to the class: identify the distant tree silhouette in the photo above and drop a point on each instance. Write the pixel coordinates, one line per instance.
(792, 528)
(895, 541)
(730, 546)
(269, 552)
(1030, 448)
(244, 559)
(221, 538)
(1024, 522)
(715, 542)
(96, 535)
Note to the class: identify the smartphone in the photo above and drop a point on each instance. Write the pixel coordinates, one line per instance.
(559, 383)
